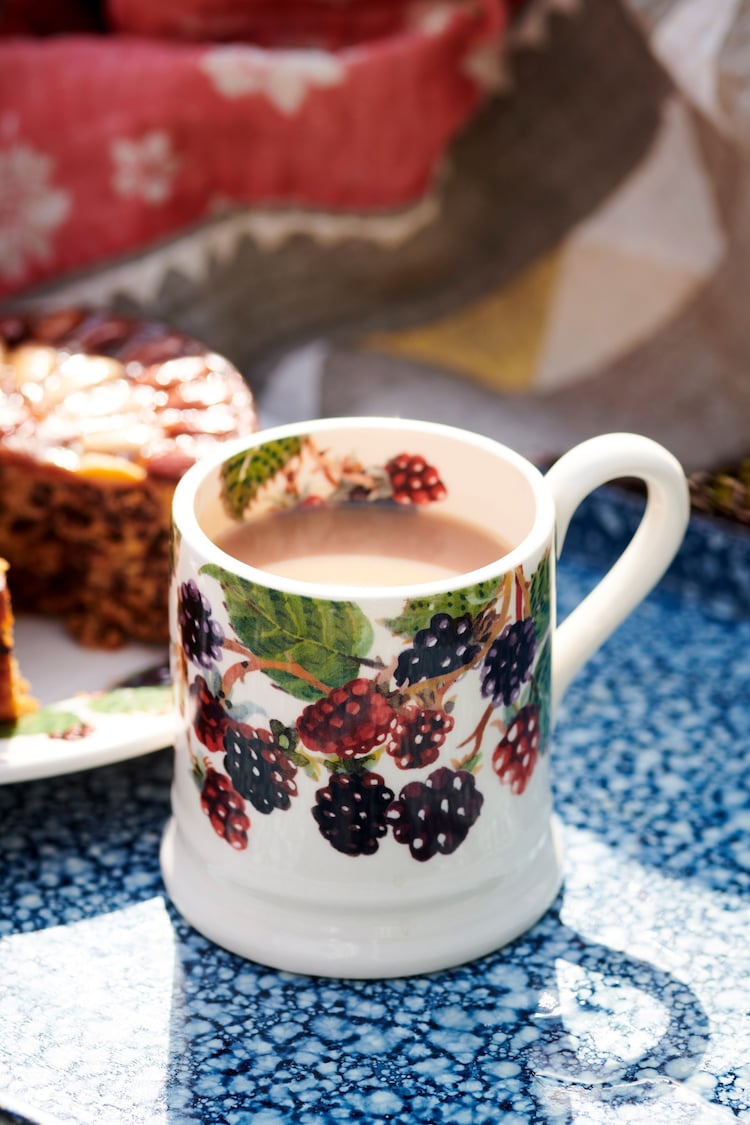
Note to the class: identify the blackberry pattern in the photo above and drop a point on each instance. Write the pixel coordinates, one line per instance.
(410, 718)
(209, 717)
(446, 645)
(225, 809)
(349, 722)
(202, 636)
(435, 815)
(515, 756)
(351, 811)
(413, 480)
(416, 737)
(259, 766)
(507, 665)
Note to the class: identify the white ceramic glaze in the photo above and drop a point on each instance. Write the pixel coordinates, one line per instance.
(91, 714)
(455, 851)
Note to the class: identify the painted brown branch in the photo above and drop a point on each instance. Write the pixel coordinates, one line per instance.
(257, 663)
(477, 734)
(237, 672)
(523, 595)
(324, 463)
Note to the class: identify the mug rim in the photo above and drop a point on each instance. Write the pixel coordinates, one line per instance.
(185, 521)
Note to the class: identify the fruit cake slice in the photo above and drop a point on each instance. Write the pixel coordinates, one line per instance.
(15, 700)
(100, 416)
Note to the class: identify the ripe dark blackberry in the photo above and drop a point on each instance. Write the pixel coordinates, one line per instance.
(416, 737)
(444, 646)
(259, 768)
(515, 756)
(201, 635)
(209, 717)
(349, 722)
(507, 665)
(351, 811)
(435, 815)
(413, 480)
(225, 808)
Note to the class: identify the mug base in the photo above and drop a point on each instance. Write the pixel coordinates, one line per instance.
(360, 943)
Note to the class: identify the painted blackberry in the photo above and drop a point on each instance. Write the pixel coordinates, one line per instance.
(351, 811)
(225, 808)
(507, 665)
(349, 722)
(515, 756)
(413, 480)
(416, 737)
(259, 767)
(201, 634)
(209, 717)
(435, 815)
(444, 646)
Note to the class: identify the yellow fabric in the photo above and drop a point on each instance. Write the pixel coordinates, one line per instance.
(495, 340)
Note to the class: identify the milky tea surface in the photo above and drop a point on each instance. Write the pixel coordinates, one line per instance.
(362, 544)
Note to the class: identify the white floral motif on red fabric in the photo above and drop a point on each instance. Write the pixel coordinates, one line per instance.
(144, 168)
(172, 125)
(429, 17)
(31, 209)
(284, 79)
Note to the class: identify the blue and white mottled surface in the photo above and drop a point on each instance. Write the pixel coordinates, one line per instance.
(628, 1003)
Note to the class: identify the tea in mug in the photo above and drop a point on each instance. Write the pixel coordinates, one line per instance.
(362, 545)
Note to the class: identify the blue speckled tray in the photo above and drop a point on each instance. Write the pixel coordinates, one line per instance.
(627, 1003)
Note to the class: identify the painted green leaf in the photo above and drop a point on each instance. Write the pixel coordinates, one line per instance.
(540, 689)
(244, 474)
(284, 737)
(198, 773)
(303, 762)
(47, 720)
(418, 612)
(132, 699)
(326, 640)
(540, 596)
(472, 764)
(350, 765)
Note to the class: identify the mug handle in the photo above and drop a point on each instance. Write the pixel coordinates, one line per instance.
(645, 559)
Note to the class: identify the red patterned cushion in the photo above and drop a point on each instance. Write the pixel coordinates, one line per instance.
(111, 142)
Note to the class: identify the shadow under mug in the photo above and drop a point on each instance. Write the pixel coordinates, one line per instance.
(362, 781)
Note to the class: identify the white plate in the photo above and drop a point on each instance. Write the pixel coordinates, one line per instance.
(85, 720)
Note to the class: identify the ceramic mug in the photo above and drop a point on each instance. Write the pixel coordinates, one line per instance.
(362, 782)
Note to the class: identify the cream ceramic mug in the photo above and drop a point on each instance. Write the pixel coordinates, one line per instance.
(361, 781)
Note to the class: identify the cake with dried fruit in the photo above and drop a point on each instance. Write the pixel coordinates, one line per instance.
(100, 416)
(15, 700)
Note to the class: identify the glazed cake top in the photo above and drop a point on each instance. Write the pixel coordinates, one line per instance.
(109, 396)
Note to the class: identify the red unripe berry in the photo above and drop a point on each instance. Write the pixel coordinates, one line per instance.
(413, 480)
(515, 756)
(349, 722)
